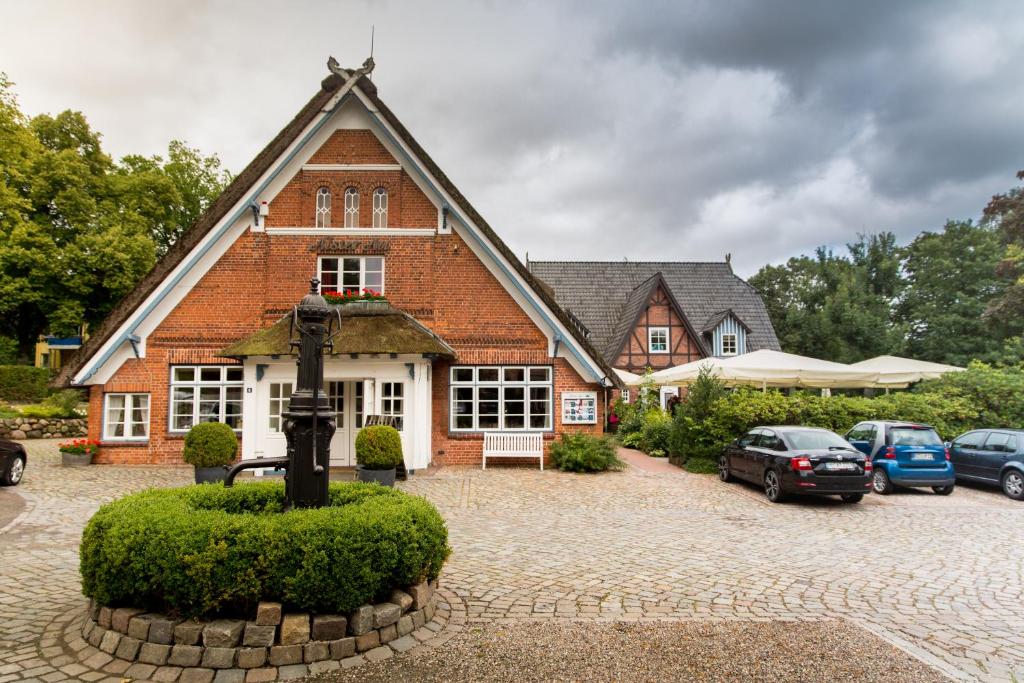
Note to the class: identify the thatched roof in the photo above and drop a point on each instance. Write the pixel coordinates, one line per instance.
(372, 330)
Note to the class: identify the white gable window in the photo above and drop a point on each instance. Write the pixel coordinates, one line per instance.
(205, 393)
(729, 344)
(126, 417)
(323, 208)
(380, 208)
(351, 208)
(657, 340)
(340, 273)
(625, 395)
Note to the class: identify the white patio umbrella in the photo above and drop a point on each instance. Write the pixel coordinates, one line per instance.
(766, 368)
(628, 378)
(895, 370)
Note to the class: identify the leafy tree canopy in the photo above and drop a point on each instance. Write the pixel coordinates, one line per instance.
(77, 229)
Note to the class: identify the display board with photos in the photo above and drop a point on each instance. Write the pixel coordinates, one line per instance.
(579, 407)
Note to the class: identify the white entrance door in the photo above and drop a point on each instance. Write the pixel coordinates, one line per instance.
(346, 399)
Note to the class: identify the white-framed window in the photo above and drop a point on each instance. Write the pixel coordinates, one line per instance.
(126, 417)
(729, 344)
(380, 208)
(323, 208)
(205, 393)
(280, 399)
(392, 401)
(625, 395)
(338, 273)
(502, 398)
(657, 340)
(351, 208)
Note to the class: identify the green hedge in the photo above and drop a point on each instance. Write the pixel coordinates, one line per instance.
(730, 416)
(201, 551)
(379, 447)
(23, 383)
(579, 452)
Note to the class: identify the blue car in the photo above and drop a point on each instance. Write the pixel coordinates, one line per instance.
(991, 456)
(904, 454)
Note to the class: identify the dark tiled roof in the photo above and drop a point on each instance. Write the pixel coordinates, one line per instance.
(600, 292)
(716, 319)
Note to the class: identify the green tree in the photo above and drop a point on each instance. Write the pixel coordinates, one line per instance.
(950, 277)
(1005, 213)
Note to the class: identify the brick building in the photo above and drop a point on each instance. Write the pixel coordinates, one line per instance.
(469, 341)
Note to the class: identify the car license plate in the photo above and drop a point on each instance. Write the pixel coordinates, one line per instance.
(921, 456)
(840, 466)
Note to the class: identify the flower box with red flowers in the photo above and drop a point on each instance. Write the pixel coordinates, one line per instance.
(349, 296)
(80, 447)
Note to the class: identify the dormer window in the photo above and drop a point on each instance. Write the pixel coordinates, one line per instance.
(323, 208)
(380, 208)
(351, 208)
(729, 344)
(657, 340)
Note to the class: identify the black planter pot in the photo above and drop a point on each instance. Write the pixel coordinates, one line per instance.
(382, 477)
(210, 475)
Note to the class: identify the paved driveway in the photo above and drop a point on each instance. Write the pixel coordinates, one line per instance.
(940, 577)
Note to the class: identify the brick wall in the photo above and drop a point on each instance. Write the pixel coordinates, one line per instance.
(659, 312)
(437, 279)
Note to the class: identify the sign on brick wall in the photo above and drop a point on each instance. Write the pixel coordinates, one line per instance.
(579, 407)
(349, 247)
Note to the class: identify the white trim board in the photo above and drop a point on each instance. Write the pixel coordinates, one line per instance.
(354, 232)
(351, 167)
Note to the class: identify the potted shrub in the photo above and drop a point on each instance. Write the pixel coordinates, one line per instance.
(378, 452)
(78, 452)
(210, 447)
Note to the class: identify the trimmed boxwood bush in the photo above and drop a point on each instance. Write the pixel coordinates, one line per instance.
(585, 453)
(201, 551)
(379, 447)
(210, 444)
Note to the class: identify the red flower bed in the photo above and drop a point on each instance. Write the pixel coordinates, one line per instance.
(350, 295)
(80, 447)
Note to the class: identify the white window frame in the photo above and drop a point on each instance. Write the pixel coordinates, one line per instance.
(624, 395)
(380, 208)
(130, 400)
(651, 331)
(323, 208)
(280, 403)
(362, 271)
(222, 384)
(735, 343)
(351, 207)
(392, 404)
(501, 383)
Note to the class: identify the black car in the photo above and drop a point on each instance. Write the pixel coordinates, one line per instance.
(797, 460)
(12, 462)
(991, 456)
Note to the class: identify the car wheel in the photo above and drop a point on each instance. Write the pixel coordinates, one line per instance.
(773, 487)
(1013, 484)
(943, 490)
(852, 497)
(723, 469)
(12, 477)
(880, 482)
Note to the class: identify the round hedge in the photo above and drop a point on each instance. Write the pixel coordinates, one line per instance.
(379, 447)
(210, 444)
(208, 550)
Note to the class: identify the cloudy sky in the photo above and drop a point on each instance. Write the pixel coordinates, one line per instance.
(659, 130)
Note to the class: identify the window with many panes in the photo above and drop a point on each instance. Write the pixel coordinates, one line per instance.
(657, 339)
(501, 398)
(729, 344)
(392, 401)
(380, 208)
(280, 399)
(351, 208)
(126, 416)
(339, 273)
(323, 208)
(206, 393)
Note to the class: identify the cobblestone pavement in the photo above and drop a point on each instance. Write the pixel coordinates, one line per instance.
(937, 576)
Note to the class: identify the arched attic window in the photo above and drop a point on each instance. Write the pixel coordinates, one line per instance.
(323, 208)
(380, 208)
(351, 208)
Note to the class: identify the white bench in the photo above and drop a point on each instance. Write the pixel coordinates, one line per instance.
(514, 445)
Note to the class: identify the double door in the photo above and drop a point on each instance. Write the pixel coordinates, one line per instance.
(347, 403)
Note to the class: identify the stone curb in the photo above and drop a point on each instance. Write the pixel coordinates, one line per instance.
(448, 617)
